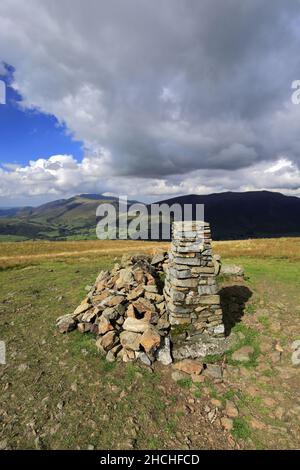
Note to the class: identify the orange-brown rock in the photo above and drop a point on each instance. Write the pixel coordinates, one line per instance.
(114, 301)
(85, 305)
(127, 355)
(135, 293)
(148, 315)
(108, 340)
(104, 326)
(100, 285)
(150, 340)
(189, 366)
(84, 327)
(143, 305)
(150, 279)
(131, 311)
(139, 276)
(89, 315)
(99, 297)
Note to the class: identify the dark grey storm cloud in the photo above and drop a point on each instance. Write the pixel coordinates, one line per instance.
(164, 87)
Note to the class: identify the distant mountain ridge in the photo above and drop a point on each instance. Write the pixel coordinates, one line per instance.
(252, 214)
(232, 215)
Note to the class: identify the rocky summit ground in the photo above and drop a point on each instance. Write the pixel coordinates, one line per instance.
(58, 393)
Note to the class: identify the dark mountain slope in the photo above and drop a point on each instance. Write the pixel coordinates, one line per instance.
(246, 215)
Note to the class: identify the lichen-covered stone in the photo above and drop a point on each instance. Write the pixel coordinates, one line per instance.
(130, 340)
(66, 323)
(135, 325)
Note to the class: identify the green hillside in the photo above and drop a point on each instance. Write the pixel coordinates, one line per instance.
(62, 219)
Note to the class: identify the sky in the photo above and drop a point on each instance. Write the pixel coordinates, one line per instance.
(148, 99)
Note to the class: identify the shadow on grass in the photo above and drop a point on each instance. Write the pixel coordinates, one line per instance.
(233, 303)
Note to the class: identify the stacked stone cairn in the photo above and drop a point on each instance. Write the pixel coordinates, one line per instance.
(136, 314)
(191, 292)
(125, 309)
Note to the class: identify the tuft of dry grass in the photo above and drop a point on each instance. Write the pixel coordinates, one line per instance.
(33, 252)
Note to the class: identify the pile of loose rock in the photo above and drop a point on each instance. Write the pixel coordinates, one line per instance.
(126, 311)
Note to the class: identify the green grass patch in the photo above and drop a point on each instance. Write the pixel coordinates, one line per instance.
(171, 426)
(107, 366)
(250, 308)
(269, 373)
(241, 429)
(212, 358)
(12, 238)
(185, 383)
(154, 443)
(130, 372)
(264, 320)
(83, 344)
(213, 391)
(271, 269)
(229, 394)
(198, 389)
(215, 394)
(249, 337)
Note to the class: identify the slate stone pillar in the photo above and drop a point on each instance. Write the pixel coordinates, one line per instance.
(191, 291)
